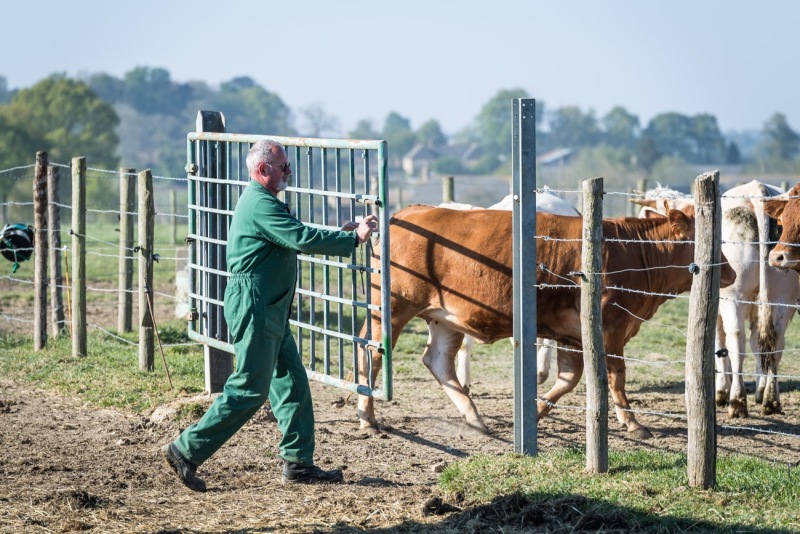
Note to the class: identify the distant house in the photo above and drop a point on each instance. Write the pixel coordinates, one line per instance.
(555, 157)
(419, 160)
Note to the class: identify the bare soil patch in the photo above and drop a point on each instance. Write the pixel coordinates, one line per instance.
(69, 467)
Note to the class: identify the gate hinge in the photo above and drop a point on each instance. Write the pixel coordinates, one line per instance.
(191, 168)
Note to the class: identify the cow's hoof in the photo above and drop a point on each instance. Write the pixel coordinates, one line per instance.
(737, 409)
(771, 408)
(722, 399)
(640, 433)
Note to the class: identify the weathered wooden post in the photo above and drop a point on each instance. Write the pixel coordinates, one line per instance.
(594, 354)
(146, 213)
(448, 189)
(703, 307)
(173, 210)
(127, 203)
(78, 231)
(54, 238)
(641, 187)
(40, 252)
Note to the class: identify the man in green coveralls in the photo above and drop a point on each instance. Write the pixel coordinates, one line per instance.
(263, 243)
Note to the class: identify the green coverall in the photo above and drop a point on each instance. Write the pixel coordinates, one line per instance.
(263, 242)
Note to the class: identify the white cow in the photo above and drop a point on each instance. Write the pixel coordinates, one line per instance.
(759, 295)
(545, 202)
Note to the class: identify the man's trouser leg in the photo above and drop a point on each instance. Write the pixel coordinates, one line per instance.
(290, 399)
(257, 346)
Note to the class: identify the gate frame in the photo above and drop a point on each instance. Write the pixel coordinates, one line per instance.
(380, 200)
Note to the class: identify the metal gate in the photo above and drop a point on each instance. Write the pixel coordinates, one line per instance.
(334, 181)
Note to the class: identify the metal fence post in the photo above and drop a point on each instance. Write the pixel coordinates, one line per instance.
(523, 152)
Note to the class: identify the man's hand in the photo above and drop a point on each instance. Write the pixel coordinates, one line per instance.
(365, 228)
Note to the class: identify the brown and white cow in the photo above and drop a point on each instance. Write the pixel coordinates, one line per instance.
(759, 296)
(453, 268)
(786, 209)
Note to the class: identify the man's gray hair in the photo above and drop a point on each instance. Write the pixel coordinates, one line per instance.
(261, 151)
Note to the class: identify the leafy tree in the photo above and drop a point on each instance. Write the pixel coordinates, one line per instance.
(399, 136)
(364, 130)
(493, 123)
(17, 148)
(107, 87)
(5, 96)
(249, 108)
(648, 153)
(710, 144)
(672, 135)
(732, 154)
(571, 128)
(621, 129)
(318, 121)
(615, 165)
(69, 119)
(431, 134)
(781, 143)
(151, 90)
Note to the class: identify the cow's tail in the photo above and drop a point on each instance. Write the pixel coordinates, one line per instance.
(766, 325)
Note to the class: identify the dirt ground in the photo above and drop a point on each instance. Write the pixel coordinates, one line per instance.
(69, 467)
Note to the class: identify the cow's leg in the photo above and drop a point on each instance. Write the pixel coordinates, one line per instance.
(543, 358)
(722, 364)
(570, 369)
(439, 358)
(369, 364)
(462, 369)
(784, 288)
(616, 383)
(733, 317)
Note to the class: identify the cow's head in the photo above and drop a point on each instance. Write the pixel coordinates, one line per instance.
(682, 227)
(786, 210)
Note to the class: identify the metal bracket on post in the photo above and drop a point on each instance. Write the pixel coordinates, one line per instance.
(210, 164)
(523, 154)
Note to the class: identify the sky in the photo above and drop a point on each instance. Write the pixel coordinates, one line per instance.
(435, 59)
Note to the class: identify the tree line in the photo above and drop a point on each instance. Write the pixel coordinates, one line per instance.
(141, 120)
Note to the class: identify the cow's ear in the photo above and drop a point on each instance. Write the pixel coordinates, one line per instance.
(650, 213)
(774, 207)
(681, 225)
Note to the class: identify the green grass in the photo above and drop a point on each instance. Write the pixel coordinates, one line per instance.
(649, 488)
(109, 374)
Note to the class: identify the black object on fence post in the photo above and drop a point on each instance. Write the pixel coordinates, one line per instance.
(40, 252)
(523, 157)
(78, 231)
(703, 307)
(594, 354)
(146, 213)
(54, 238)
(127, 203)
(218, 363)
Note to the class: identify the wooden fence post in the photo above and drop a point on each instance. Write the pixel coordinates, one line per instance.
(173, 211)
(78, 232)
(448, 189)
(54, 238)
(40, 252)
(594, 355)
(145, 248)
(127, 203)
(703, 307)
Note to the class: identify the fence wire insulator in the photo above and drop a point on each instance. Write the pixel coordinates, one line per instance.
(722, 353)
(694, 268)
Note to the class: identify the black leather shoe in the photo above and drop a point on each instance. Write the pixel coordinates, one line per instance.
(297, 474)
(183, 468)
